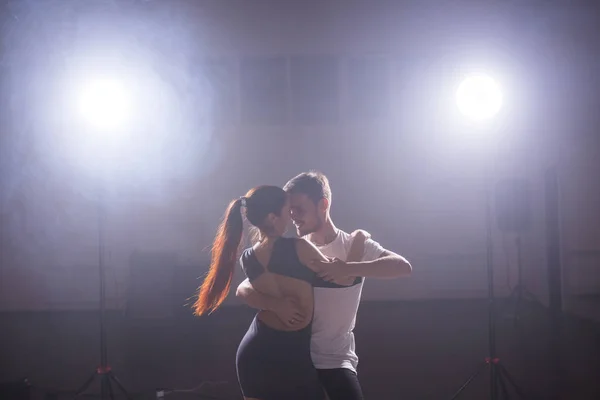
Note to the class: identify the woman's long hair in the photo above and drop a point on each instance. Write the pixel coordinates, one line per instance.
(260, 202)
(217, 283)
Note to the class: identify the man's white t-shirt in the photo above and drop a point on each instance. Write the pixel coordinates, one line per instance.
(332, 343)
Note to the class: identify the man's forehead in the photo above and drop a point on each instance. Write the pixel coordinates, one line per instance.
(299, 199)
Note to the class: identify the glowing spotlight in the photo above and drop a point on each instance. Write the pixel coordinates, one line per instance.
(479, 97)
(105, 104)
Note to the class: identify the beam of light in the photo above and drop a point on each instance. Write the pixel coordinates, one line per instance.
(53, 151)
(158, 126)
(131, 124)
(479, 97)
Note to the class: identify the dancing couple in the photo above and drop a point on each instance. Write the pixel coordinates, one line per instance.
(300, 345)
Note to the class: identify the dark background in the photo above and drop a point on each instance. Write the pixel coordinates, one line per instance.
(260, 91)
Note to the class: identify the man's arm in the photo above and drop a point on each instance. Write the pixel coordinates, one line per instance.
(286, 309)
(389, 265)
(254, 298)
(379, 263)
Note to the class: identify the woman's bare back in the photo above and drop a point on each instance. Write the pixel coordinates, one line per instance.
(281, 286)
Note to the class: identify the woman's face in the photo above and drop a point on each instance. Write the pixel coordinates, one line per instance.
(280, 222)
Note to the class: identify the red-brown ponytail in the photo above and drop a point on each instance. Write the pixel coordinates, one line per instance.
(217, 283)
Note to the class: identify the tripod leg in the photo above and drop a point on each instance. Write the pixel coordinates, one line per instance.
(502, 385)
(504, 374)
(104, 386)
(119, 385)
(85, 385)
(110, 388)
(468, 381)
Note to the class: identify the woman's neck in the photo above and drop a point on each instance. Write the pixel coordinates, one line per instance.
(267, 240)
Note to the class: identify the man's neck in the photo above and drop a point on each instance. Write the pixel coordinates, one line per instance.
(325, 235)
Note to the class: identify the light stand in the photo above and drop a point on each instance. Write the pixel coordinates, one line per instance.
(103, 111)
(480, 98)
(520, 292)
(104, 371)
(499, 375)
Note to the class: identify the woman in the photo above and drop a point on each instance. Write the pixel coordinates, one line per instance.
(273, 359)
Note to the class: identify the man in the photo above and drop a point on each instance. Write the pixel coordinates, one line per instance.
(336, 305)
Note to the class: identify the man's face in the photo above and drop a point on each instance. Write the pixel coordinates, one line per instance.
(305, 214)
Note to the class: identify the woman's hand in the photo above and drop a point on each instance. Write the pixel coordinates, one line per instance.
(357, 249)
(334, 270)
(361, 233)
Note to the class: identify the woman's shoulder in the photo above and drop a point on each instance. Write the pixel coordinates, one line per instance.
(288, 242)
(293, 259)
(250, 264)
(297, 244)
(246, 254)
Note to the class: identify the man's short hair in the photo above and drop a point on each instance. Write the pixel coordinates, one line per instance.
(314, 184)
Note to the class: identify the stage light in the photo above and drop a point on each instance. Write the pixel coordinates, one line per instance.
(479, 97)
(101, 113)
(105, 104)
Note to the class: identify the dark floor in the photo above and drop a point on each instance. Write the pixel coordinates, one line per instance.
(411, 350)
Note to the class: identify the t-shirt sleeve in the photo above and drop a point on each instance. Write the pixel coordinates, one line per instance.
(373, 250)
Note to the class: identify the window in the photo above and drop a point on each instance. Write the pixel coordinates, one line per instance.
(264, 90)
(368, 81)
(314, 89)
(222, 88)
